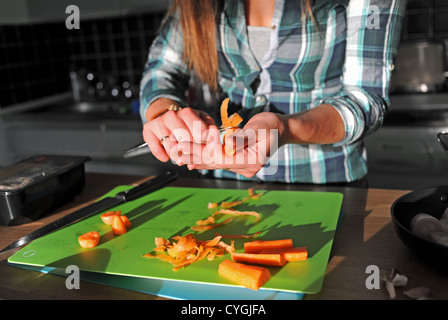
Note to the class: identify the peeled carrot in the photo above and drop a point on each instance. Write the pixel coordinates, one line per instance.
(126, 221)
(290, 254)
(270, 259)
(260, 245)
(252, 277)
(108, 217)
(89, 239)
(118, 226)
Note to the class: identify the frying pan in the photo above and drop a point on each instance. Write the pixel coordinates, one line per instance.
(432, 201)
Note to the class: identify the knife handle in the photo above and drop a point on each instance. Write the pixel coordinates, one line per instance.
(148, 186)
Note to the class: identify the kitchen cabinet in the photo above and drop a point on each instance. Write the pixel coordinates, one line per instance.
(37, 11)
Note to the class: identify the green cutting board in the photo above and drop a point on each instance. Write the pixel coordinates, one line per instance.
(309, 218)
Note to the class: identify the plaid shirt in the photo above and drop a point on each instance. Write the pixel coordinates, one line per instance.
(345, 62)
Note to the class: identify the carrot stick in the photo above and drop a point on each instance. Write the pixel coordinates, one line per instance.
(290, 254)
(89, 239)
(118, 226)
(108, 217)
(252, 277)
(270, 259)
(260, 245)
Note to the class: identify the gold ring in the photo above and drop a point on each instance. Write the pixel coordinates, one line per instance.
(174, 107)
(165, 137)
(226, 169)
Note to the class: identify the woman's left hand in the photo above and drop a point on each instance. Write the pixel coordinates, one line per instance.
(254, 145)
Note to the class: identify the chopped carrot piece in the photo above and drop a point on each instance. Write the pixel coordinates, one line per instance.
(126, 221)
(260, 245)
(271, 259)
(89, 239)
(108, 217)
(291, 254)
(118, 226)
(252, 277)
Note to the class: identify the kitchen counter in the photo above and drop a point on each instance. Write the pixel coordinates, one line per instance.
(365, 237)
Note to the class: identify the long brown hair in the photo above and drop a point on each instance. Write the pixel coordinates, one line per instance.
(198, 23)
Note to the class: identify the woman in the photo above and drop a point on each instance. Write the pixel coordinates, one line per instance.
(313, 78)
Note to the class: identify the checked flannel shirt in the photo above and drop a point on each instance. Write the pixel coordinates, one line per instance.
(345, 62)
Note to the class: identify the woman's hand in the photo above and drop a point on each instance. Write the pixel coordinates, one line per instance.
(164, 132)
(253, 145)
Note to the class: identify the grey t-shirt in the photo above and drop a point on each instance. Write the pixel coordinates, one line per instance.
(259, 41)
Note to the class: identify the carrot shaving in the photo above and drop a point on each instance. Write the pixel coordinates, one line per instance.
(188, 249)
(230, 123)
(201, 228)
(238, 236)
(238, 213)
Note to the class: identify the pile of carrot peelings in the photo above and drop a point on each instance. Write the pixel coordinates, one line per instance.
(226, 208)
(182, 251)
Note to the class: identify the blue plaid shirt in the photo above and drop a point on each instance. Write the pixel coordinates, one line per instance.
(345, 62)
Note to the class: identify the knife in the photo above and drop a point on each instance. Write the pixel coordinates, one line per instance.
(142, 148)
(98, 206)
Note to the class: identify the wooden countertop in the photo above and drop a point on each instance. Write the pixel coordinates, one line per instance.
(365, 237)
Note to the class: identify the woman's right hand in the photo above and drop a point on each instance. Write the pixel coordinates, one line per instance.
(164, 132)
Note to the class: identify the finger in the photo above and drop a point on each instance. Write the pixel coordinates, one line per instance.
(194, 153)
(195, 124)
(155, 146)
(207, 119)
(175, 124)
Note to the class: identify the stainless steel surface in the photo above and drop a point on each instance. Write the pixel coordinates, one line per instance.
(419, 67)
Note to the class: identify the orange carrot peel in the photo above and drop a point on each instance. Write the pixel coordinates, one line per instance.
(230, 123)
(188, 249)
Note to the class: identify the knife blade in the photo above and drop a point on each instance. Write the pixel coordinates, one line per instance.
(96, 207)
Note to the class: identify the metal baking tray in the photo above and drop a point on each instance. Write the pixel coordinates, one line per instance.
(37, 185)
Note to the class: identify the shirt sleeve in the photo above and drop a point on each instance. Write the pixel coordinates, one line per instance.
(373, 35)
(165, 74)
